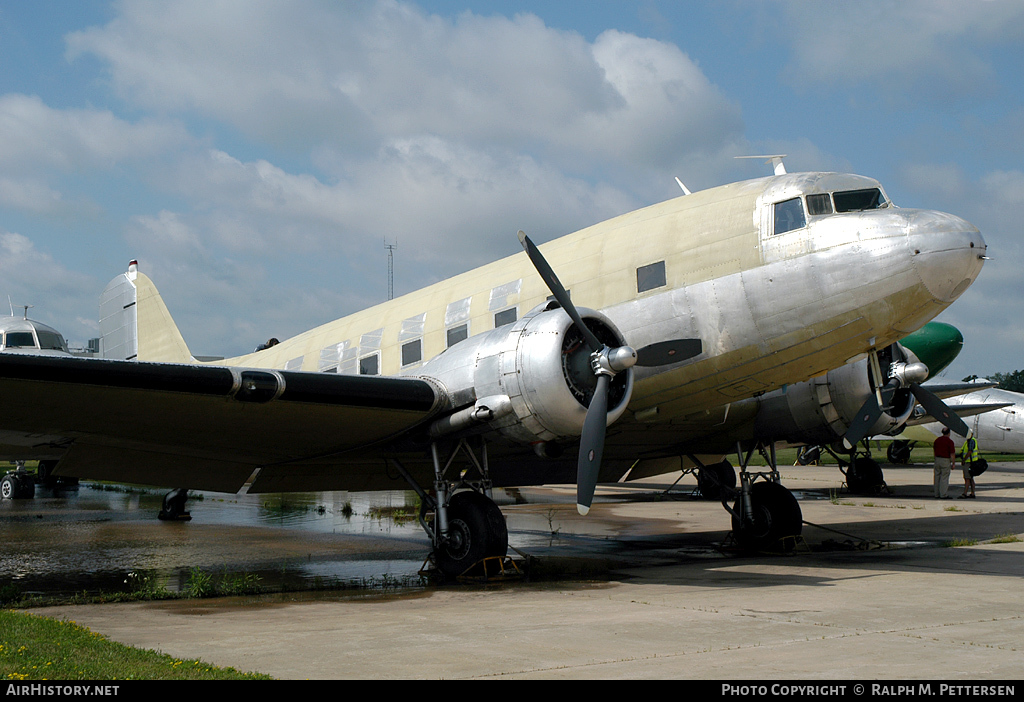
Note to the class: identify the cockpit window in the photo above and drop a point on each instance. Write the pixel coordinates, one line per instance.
(50, 340)
(819, 204)
(789, 215)
(20, 340)
(857, 200)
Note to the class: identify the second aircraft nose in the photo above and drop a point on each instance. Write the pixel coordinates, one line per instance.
(947, 252)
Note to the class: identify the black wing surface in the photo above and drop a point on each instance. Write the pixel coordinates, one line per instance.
(205, 427)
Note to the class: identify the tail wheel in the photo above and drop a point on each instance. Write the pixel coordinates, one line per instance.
(476, 530)
(776, 514)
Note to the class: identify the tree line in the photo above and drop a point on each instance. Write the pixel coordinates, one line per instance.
(1013, 381)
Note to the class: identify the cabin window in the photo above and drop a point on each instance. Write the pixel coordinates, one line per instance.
(650, 276)
(789, 215)
(858, 200)
(819, 204)
(20, 340)
(457, 334)
(369, 365)
(505, 317)
(412, 352)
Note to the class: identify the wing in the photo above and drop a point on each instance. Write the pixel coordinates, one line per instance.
(962, 410)
(205, 427)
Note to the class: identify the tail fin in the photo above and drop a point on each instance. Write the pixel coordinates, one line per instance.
(135, 323)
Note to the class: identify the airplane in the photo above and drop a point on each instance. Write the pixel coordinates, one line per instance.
(997, 422)
(695, 307)
(24, 335)
(21, 335)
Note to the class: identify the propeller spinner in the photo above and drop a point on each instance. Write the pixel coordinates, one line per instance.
(605, 362)
(903, 375)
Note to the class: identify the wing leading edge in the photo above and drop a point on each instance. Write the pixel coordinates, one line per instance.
(202, 427)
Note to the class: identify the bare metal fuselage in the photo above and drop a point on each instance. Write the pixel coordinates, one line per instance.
(771, 308)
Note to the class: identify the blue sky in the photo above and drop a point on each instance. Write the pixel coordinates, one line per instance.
(254, 156)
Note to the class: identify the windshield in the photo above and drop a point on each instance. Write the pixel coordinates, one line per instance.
(51, 340)
(857, 200)
(20, 340)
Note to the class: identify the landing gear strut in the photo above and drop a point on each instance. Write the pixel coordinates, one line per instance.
(765, 514)
(467, 526)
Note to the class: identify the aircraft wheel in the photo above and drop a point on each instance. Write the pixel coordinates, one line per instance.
(174, 506)
(17, 487)
(898, 452)
(776, 515)
(476, 530)
(864, 476)
(716, 479)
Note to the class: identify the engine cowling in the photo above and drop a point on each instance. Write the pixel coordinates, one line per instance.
(533, 377)
(819, 411)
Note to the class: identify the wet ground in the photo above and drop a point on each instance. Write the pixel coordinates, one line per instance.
(894, 586)
(100, 538)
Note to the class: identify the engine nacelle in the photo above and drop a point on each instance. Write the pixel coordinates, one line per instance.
(532, 380)
(820, 410)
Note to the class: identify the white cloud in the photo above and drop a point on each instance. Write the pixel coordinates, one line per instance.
(360, 75)
(936, 50)
(34, 137)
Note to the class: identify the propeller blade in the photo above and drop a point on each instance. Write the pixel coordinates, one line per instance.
(592, 445)
(665, 352)
(556, 288)
(867, 415)
(940, 410)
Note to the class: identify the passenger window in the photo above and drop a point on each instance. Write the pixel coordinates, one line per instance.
(820, 204)
(412, 352)
(504, 317)
(789, 215)
(457, 334)
(369, 365)
(650, 277)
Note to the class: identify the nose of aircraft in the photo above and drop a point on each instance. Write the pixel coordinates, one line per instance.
(947, 252)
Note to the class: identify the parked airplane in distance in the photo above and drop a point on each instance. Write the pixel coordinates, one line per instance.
(496, 378)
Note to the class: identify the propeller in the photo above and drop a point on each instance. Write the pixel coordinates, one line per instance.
(904, 375)
(605, 362)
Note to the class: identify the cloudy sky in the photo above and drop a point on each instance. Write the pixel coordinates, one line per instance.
(255, 156)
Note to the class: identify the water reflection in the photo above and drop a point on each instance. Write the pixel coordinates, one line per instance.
(93, 538)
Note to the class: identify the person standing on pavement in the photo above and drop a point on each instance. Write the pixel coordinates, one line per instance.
(945, 458)
(968, 455)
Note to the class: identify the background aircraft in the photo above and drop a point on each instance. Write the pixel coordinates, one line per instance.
(702, 305)
(995, 416)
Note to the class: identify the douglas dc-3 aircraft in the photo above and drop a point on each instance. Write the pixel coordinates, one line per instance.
(691, 310)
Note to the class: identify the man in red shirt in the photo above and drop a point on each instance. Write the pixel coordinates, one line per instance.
(945, 459)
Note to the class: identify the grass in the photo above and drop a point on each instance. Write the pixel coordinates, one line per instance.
(41, 648)
(143, 587)
(961, 542)
(1006, 539)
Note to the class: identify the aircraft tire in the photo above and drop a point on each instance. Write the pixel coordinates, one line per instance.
(898, 452)
(17, 487)
(864, 476)
(476, 530)
(716, 479)
(776, 515)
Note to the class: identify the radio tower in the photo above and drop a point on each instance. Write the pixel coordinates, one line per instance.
(391, 268)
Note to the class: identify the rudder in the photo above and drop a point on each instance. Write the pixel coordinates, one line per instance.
(135, 323)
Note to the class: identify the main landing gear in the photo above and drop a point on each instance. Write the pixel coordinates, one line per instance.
(863, 474)
(467, 527)
(765, 515)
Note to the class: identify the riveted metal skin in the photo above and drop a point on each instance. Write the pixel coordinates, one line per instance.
(539, 365)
